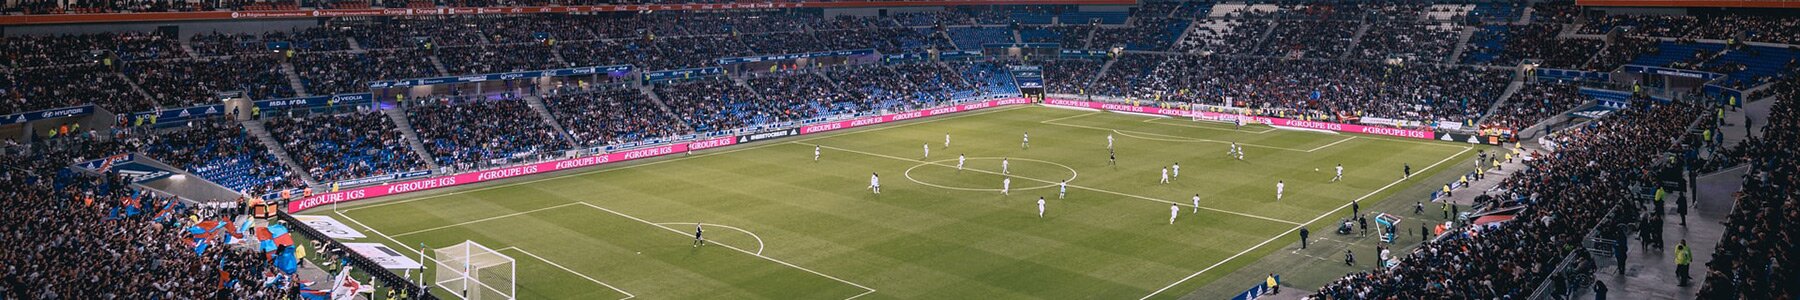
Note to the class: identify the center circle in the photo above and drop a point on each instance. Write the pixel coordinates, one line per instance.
(949, 165)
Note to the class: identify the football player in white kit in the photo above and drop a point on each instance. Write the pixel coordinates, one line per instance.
(875, 182)
(927, 148)
(1026, 142)
(1005, 185)
(815, 153)
(1340, 173)
(1196, 203)
(1177, 170)
(1062, 189)
(1174, 210)
(1165, 175)
(946, 140)
(1109, 142)
(1040, 207)
(1278, 187)
(1004, 163)
(959, 162)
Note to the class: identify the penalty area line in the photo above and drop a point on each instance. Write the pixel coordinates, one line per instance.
(797, 267)
(628, 295)
(1290, 231)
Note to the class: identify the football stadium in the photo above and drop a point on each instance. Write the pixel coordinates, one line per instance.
(864, 149)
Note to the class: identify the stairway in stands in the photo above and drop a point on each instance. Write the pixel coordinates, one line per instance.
(412, 136)
(1462, 43)
(294, 80)
(438, 64)
(1355, 40)
(537, 104)
(664, 108)
(256, 129)
(1511, 88)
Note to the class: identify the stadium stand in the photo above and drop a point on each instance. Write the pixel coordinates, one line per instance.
(345, 146)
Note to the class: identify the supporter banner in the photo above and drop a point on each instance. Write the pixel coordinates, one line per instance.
(172, 116)
(1672, 72)
(127, 165)
(316, 101)
(1278, 122)
(767, 135)
(683, 74)
(384, 256)
(560, 165)
(398, 12)
(619, 70)
(330, 227)
(383, 178)
(751, 59)
(1451, 126)
(53, 113)
(853, 123)
(500, 173)
(1390, 122)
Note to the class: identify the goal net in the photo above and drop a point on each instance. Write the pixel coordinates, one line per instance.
(475, 272)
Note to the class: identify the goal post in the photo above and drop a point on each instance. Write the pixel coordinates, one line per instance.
(475, 272)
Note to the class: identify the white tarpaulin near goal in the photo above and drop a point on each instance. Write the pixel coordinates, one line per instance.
(387, 257)
(330, 227)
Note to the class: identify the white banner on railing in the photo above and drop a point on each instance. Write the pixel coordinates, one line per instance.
(330, 227)
(384, 256)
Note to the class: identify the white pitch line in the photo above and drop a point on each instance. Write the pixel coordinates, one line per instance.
(481, 220)
(1289, 231)
(1053, 182)
(628, 295)
(604, 169)
(870, 290)
(1332, 144)
(759, 242)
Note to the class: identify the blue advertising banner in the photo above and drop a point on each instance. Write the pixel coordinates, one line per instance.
(903, 58)
(173, 116)
(1672, 72)
(1094, 54)
(47, 114)
(619, 70)
(1574, 75)
(751, 59)
(962, 54)
(683, 74)
(1021, 45)
(1027, 77)
(316, 101)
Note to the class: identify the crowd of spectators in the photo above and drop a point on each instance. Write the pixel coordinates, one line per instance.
(72, 235)
(498, 59)
(793, 95)
(345, 146)
(474, 131)
(1565, 195)
(1755, 258)
(21, 51)
(307, 39)
(1150, 34)
(180, 83)
(1126, 74)
(1309, 39)
(1342, 88)
(882, 87)
(1537, 40)
(335, 73)
(708, 104)
(66, 86)
(610, 115)
(1421, 41)
(1535, 102)
(222, 152)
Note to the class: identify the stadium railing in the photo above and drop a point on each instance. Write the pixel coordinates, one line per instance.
(386, 277)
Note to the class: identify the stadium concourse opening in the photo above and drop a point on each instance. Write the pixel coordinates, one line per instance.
(1072, 149)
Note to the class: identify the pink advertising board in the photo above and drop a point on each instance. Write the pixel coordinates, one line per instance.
(1279, 122)
(370, 192)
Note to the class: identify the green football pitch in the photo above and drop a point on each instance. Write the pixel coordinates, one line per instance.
(784, 226)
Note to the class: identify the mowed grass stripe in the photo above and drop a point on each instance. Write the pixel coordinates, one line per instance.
(916, 241)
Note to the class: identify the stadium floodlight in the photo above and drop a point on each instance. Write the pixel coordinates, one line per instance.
(471, 271)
